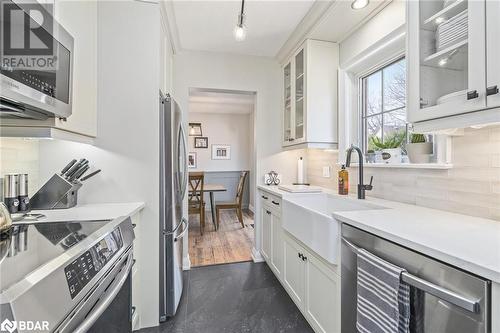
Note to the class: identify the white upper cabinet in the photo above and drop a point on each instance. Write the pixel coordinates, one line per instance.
(446, 58)
(79, 18)
(493, 53)
(310, 96)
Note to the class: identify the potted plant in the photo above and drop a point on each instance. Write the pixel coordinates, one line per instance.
(390, 147)
(371, 156)
(419, 150)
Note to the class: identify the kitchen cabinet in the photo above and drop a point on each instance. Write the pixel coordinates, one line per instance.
(452, 58)
(310, 96)
(272, 240)
(312, 285)
(267, 221)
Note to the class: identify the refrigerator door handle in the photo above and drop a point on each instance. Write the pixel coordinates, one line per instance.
(167, 233)
(183, 233)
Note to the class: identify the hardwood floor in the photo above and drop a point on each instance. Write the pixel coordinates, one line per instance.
(231, 243)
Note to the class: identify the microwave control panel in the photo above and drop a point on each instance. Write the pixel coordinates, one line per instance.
(84, 268)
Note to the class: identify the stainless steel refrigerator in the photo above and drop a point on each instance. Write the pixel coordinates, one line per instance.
(173, 184)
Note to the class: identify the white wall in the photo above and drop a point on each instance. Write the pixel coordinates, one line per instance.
(127, 144)
(227, 129)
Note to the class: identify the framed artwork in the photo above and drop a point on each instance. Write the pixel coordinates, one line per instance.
(221, 152)
(192, 160)
(201, 142)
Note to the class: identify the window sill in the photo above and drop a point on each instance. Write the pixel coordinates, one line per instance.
(406, 166)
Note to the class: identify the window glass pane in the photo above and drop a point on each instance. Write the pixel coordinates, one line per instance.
(373, 129)
(395, 85)
(373, 93)
(395, 125)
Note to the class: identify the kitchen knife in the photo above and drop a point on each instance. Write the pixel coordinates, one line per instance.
(90, 175)
(74, 168)
(79, 173)
(67, 167)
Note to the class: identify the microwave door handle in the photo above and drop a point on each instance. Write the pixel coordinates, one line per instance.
(99, 310)
(431, 288)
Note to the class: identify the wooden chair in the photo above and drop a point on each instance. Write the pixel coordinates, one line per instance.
(235, 204)
(196, 203)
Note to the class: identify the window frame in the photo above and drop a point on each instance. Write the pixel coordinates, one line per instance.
(361, 107)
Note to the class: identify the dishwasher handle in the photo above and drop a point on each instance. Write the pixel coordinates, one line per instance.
(431, 288)
(99, 310)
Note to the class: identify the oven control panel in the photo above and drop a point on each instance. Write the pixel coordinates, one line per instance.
(81, 270)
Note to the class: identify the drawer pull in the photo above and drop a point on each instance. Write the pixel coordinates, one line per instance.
(472, 94)
(264, 197)
(493, 90)
(268, 212)
(276, 203)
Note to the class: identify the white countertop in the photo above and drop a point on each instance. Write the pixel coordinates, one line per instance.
(470, 243)
(101, 211)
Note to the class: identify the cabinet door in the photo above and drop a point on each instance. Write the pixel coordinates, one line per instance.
(287, 111)
(299, 115)
(493, 53)
(79, 18)
(266, 234)
(322, 302)
(293, 271)
(277, 245)
(446, 58)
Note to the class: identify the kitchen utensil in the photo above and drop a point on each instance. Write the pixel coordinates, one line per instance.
(90, 175)
(56, 193)
(67, 167)
(11, 192)
(79, 172)
(5, 219)
(75, 167)
(17, 216)
(24, 200)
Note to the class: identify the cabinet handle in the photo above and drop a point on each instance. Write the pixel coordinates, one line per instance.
(264, 197)
(472, 94)
(268, 212)
(276, 203)
(291, 139)
(304, 258)
(493, 90)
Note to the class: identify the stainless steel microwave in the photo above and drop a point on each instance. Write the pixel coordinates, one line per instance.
(36, 82)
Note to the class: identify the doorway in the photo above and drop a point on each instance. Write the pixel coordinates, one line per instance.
(221, 156)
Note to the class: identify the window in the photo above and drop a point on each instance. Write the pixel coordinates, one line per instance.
(383, 114)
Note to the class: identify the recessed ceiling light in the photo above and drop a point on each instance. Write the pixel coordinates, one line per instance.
(240, 31)
(443, 61)
(440, 20)
(359, 4)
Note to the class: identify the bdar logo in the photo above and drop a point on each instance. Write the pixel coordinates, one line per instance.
(8, 326)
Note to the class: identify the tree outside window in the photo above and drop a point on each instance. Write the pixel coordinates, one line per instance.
(384, 104)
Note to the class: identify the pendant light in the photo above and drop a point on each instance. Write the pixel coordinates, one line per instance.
(240, 30)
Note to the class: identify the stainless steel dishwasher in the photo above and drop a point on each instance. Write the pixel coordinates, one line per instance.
(450, 300)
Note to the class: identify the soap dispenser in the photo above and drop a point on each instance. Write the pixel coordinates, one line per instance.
(343, 181)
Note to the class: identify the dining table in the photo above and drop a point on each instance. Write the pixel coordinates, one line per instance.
(211, 189)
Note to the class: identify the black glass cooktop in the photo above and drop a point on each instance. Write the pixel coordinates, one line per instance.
(26, 247)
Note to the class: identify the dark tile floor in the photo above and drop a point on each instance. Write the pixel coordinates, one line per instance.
(232, 298)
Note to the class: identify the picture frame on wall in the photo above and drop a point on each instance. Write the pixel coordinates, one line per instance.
(201, 142)
(221, 152)
(192, 160)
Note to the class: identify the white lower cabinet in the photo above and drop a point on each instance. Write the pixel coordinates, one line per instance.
(277, 245)
(266, 233)
(294, 273)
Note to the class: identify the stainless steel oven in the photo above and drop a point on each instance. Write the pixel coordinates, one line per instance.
(449, 300)
(36, 63)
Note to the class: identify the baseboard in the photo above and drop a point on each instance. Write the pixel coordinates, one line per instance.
(256, 256)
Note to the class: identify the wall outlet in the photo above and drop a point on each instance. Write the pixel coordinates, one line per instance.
(326, 171)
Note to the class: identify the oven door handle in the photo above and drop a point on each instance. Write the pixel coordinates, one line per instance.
(99, 309)
(431, 288)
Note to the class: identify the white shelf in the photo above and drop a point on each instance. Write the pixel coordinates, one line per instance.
(405, 166)
(433, 59)
(446, 13)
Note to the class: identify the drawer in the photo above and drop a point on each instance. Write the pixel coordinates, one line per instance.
(270, 200)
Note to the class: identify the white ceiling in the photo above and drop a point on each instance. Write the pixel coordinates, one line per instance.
(208, 25)
(229, 102)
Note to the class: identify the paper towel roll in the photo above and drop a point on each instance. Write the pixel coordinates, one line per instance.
(300, 171)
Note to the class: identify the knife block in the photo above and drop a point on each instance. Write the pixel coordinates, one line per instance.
(56, 193)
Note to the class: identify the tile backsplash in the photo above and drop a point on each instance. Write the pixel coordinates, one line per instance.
(471, 187)
(20, 156)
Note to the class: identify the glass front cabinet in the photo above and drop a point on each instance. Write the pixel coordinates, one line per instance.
(310, 101)
(449, 42)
